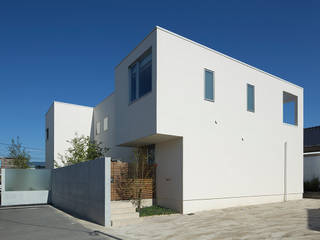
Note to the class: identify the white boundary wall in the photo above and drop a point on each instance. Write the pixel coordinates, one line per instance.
(12, 198)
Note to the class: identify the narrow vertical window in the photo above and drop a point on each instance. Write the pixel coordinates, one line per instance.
(250, 98)
(209, 85)
(47, 134)
(105, 124)
(145, 75)
(133, 82)
(98, 128)
(151, 153)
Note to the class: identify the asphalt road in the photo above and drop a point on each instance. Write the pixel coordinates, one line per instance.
(43, 223)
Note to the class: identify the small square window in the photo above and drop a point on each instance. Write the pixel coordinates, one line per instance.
(105, 124)
(98, 128)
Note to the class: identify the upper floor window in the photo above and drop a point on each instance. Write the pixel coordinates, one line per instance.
(105, 124)
(98, 128)
(250, 98)
(209, 85)
(140, 76)
(290, 108)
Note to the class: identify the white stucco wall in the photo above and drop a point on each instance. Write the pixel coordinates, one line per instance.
(138, 119)
(311, 166)
(106, 108)
(229, 156)
(217, 163)
(68, 119)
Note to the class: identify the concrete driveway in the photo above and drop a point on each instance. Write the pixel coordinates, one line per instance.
(43, 223)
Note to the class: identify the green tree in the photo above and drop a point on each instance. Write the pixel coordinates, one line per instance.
(140, 169)
(130, 183)
(19, 154)
(82, 149)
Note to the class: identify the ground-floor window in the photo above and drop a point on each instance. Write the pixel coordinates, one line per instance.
(150, 152)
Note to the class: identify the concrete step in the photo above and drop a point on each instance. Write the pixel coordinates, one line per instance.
(121, 204)
(124, 221)
(131, 215)
(115, 211)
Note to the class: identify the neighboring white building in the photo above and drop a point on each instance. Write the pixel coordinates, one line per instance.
(311, 153)
(217, 125)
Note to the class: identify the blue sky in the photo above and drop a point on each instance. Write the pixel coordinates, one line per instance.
(67, 50)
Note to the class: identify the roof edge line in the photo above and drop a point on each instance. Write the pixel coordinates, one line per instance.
(154, 29)
(104, 99)
(226, 56)
(77, 105)
(312, 127)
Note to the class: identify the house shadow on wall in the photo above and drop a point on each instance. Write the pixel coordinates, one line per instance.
(314, 219)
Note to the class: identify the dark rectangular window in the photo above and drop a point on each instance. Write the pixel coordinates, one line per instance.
(133, 83)
(141, 76)
(145, 76)
(209, 85)
(47, 133)
(250, 98)
(98, 128)
(151, 154)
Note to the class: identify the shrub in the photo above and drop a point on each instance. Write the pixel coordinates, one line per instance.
(155, 210)
(82, 149)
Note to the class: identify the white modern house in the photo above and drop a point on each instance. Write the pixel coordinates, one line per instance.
(216, 125)
(311, 153)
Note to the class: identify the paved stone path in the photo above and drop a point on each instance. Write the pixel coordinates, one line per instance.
(289, 220)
